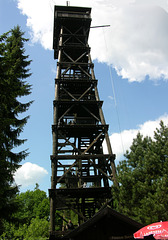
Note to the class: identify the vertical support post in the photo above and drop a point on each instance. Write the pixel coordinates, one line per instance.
(104, 123)
(55, 143)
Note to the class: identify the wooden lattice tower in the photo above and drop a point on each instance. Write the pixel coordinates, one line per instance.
(81, 173)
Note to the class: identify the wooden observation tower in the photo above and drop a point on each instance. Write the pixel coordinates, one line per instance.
(81, 172)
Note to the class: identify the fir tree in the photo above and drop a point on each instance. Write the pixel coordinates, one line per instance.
(13, 72)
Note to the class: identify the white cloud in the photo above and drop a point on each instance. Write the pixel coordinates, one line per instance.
(39, 20)
(29, 174)
(122, 141)
(135, 44)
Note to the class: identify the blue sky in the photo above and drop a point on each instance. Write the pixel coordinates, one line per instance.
(131, 65)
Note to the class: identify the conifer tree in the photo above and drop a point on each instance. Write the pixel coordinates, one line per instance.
(13, 86)
(142, 177)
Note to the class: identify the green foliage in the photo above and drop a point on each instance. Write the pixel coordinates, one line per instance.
(38, 229)
(31, 218)
(32, 204)
(142, 177)
(13, 72)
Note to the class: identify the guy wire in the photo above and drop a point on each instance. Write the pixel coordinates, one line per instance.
(114, 95)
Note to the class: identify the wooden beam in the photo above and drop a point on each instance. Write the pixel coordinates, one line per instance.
(86, 156)
(95, 140)
(78, 213)
(91, 113)
(84, 93)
